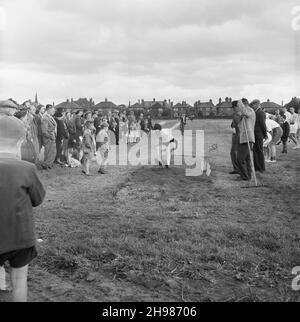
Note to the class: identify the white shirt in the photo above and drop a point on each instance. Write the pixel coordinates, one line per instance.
(288, 116)
(101, 136)
(271, 125)
(166, 135)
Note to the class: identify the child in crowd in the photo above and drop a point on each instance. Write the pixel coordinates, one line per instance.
(20, 191)
(102, 146)
(286, 133)
(131, 135)
(88, 147)
(138, 131)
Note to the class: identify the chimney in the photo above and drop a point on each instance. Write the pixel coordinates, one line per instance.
(220, 100)
(106, 100)
(68, 101)
(139, 102)
(72, 100)
(210, 101)
(153, 100)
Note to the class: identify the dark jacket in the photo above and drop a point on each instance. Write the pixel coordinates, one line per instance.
(79, 126)
(62, 131)
(260, 129)
(286, 131)
(20, 191)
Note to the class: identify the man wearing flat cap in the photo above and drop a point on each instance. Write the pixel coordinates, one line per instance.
(7, 107)
(20, 191)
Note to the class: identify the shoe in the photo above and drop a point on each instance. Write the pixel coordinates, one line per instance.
(167, 167)
(273, 161)
(102, 171)
(160, 164)
(233, 172)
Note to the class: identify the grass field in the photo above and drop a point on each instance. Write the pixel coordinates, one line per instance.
(151, 234)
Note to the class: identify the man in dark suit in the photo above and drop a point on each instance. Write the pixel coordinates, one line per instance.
(62, 134)
(260, 132)
(235, 139)
(20, 191)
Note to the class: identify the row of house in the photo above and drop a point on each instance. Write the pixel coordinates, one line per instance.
(164, 108)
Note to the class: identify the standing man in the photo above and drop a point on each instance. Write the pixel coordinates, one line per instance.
(235, 139)
(260, 133)
(38, 121)
(49, 131)
(62, 134)
(246, 127)
(182, 123)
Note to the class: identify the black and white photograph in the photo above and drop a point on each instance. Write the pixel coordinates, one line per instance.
(149, 153)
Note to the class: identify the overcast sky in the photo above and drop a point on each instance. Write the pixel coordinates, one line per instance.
(140, 49)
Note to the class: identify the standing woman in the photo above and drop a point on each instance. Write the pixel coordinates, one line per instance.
(49, 130)
(71, 142)
(89, 147)
(102, 146)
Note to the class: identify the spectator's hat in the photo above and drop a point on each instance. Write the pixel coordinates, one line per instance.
(8, 104)
(12, 130)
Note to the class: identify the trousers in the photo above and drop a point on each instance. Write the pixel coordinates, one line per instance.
(50, 152)
(258, 155)
(244, 161)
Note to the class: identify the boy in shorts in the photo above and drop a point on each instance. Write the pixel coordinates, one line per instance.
(20, 191)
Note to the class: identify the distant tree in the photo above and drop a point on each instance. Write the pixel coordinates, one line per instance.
(295, 103)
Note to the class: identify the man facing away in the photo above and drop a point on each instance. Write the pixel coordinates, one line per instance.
(260, 133)
(246, 125)
(20, 191)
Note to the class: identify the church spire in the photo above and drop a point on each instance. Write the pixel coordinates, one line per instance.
(36, 98)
